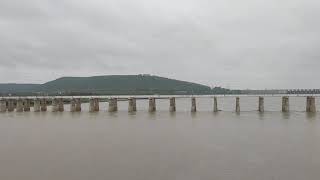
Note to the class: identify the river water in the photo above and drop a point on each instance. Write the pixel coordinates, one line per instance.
(163, 145)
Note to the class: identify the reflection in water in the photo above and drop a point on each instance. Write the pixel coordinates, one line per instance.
(311, 116)
(75, 114)
(193, 115)
(173, 114)
(261, 115)
(286, 115)
(132, 113)
(113, 114)
(152, 115)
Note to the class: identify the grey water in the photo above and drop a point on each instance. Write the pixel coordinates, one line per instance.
(163, 145)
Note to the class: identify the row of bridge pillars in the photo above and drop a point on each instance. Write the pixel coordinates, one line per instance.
(20, 106)
(310, 104)
(75, 105)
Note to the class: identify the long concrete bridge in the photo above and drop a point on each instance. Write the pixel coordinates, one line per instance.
(282, 91)
(24, 104)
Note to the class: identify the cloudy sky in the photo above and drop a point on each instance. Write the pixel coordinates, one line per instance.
(231, 43)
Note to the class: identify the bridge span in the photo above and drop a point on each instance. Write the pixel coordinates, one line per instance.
(57, 103)
(159, 96)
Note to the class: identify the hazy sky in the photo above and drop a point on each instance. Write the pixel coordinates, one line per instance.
(230, 43)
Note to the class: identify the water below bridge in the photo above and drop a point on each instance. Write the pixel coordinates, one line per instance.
(163, 145)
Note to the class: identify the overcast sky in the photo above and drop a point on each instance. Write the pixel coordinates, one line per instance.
(231, 43)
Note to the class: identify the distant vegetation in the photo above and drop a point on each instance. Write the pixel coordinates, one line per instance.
(112, 85)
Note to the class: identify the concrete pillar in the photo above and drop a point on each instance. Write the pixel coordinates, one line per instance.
(193, 104)
(78, 105)
(311, 104)
(91, 105)
(10, 105)
(261, 104)
(19, 105)
(73, 105)
(26, 105)
(3, 105)
(152, 105)
(172, 107)
(237, 104)
(215, 104)
(55, 105)
(113, 105)
(132, 105)
(36, 105)
(285, 104)
(96, 104)
(61, 105)
(43, 105)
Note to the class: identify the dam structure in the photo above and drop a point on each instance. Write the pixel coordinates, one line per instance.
(73, 103)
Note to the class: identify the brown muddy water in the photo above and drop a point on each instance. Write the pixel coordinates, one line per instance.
(163, 145)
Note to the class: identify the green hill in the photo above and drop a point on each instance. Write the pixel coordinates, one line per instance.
(122, 84)
(11, 88)
(110, 85)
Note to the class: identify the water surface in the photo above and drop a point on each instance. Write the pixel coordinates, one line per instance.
(163, 145)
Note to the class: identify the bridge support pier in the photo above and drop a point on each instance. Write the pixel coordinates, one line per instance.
(55, 105)
(73, 105)
(238, 104)
(43, 105)
(172, 107)
(132, 105)
(78, 105)
(10, 105)
(3, 105)
(91, 105)
(152, 105)
(113, 105)
(60, 105)
(311, 104)
(36, 105)
(19, 105)
(215, 104)
(193, 104)
(94, 105)
(26, 105)
(285, 104)
(261, 104)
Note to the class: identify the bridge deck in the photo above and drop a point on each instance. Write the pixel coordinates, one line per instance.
(161, 96)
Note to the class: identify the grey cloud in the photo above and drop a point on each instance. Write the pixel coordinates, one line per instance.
(241, 44)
